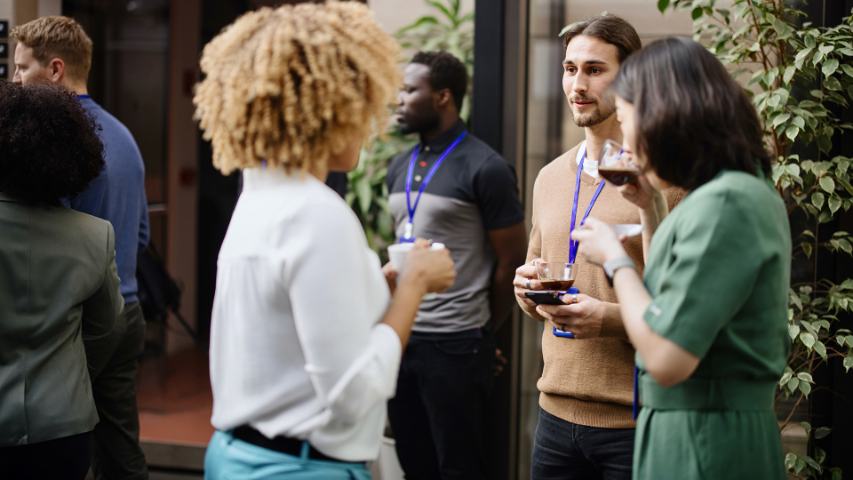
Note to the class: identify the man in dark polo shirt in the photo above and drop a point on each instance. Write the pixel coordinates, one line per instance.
(451, 188)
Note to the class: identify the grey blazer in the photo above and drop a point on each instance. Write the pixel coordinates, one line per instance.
(58, 289)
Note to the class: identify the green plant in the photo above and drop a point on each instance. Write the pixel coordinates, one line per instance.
(446, 28)
(800, 76)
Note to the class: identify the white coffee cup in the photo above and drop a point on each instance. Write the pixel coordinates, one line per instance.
(398, 252)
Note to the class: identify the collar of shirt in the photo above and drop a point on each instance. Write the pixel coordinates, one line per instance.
(590, 166)
(438, 144)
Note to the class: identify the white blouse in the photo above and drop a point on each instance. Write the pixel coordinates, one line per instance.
(296, 348)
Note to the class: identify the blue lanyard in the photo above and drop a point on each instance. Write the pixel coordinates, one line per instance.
(573, 244)
(635, 403)
(408, 236)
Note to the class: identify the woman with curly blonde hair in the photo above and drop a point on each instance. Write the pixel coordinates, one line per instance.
(306, 338)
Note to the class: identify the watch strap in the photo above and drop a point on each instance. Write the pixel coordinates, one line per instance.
(611, 266)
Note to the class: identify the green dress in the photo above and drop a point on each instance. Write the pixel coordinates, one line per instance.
(718, 272)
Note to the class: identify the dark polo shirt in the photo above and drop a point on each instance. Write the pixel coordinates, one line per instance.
(473, 191)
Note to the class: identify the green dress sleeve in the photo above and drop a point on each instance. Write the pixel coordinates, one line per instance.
(708, 273)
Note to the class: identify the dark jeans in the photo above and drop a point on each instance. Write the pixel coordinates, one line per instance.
(437, 413)
(65, 458)
(566, 451)
(117, 454)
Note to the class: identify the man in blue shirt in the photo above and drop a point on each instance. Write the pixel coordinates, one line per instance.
(57, 50)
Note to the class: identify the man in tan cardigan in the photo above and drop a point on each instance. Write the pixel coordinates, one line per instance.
(585, 428)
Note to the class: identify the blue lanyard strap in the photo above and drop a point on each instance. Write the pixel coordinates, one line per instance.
(573, 244)
(635, 403)
(408, 236)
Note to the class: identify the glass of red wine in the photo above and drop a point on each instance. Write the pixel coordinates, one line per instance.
(616, 166)
(557, 276)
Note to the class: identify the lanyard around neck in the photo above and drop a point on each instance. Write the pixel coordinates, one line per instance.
(573, 244)
(408, 235)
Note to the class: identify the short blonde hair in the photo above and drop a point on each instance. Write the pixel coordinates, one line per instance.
(58, 37)
(293, 85)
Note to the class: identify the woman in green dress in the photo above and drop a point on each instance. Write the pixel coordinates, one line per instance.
(709, 316)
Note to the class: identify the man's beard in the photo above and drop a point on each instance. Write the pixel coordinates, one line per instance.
(604, 108)
(419, 124)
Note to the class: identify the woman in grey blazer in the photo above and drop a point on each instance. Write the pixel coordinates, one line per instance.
(59, 291)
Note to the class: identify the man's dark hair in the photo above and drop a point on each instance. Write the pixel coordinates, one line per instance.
(693, 119)
(48, 146)
(609, 29)
(445, 71)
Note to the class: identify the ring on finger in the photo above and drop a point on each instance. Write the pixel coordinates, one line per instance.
(527, 284)
(574, 298)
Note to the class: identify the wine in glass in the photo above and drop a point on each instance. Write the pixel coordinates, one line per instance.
(616, 166)
(558, 276)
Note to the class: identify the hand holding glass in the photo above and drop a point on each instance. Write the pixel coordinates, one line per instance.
(616, 166)
(556, 275)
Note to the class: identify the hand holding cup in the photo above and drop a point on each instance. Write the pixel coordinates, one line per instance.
(428, 264)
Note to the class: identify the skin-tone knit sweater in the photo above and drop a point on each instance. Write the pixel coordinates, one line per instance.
(587, 382)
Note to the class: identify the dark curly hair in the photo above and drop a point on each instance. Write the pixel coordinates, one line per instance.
(48, 146)
(445, 71)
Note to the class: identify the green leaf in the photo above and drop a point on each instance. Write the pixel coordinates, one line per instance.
(801, 56)
(790, 460)
(827, 184)
(793, 384)
(785, 377)
(801, 464)
(820, 348)
(425, 20)
(696, 13)
(793, 331)
(779, 120)
(848, 363)
(663, 5)
(812, 463)
(821, 432)
(833, 84)
(818, 200)
(805, 376)
(834, 204)
(848, 70)
(807, 249)
(806, 388)
(791, 132)
(443, 9)
(807, 339)
(789, 74)
(829, 67)
(793, 169)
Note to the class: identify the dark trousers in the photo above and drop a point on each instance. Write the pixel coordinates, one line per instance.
(117, 453)
(566, 451)
(65, 458)
(437, 414)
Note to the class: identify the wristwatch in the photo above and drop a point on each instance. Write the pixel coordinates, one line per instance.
(611, 266)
